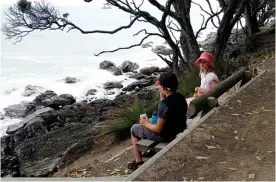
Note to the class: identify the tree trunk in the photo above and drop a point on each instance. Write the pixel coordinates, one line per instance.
(226, 26)
(188, 42)
(251, 20)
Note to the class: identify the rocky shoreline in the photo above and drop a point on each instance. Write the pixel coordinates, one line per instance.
(54, 124)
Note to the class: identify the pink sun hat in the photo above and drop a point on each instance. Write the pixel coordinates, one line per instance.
(207, 57)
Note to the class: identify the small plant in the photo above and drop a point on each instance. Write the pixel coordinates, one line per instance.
(188, 82)
(130, 115)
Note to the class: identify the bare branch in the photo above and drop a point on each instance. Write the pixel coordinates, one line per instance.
(206, 23)
(169, 63)
(129, 47)
(210, 14)
(145, 31)
(135, 6)
(211, 9)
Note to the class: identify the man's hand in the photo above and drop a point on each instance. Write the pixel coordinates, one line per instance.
(144, 121)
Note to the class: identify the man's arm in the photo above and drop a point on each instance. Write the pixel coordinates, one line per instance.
(157, 128)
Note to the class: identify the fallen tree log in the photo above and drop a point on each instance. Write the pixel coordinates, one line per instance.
(199, 103)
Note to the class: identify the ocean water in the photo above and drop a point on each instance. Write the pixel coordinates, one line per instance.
(45, 58)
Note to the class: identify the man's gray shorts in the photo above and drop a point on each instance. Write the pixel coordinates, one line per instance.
(140, 132)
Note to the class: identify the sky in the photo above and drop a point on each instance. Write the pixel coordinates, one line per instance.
(63, 2)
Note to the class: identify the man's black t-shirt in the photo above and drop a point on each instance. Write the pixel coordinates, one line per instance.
(173, 109)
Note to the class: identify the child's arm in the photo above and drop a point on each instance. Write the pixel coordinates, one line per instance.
(204, 90)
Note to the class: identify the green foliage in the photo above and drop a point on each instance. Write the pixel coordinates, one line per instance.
(130, 115)
(188, 82)
(24, 5)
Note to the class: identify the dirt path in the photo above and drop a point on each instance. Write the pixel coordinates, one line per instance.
(110, 162)
(235, 143)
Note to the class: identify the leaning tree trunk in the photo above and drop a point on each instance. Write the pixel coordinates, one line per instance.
(227, 23)
(189, 45)
(251, 21)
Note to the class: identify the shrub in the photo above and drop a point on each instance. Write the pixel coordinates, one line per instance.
(188, 82)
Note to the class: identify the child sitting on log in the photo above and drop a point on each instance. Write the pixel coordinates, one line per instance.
(208, 78)
(171, 114)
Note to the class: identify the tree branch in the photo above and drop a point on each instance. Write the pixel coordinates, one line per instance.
(169, 63)
(206, 23)
(210, 14)
(129, 47)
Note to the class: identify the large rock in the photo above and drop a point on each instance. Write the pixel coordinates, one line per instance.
(128, 66)
(91, 92)
(140, 83)
(163, 50)
(40, 156)
(106, 64)
(49, 99)
(111, 85)
(57, 102)
(71, 80)
(35, 128)
(48, 115)
(77, 112)
(138, 76)
(165, 69)
(31, 90)
(40, 99)
(17, 110)
(149, 70)
(115, 70)
(1, 116)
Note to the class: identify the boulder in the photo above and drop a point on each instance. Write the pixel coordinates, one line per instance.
(106, 64)
(41, 98)
(31, 90)
(76, 112)
(138, 76)
(48, 115)
(147, 96)
(163, 50)
(109, 93)
(17, 110)
(140, 83)
(165, 69)
(91, 92)
(57, 102)
(35, 128)
(128, 66)
(149, 70)
(111, 85)
(71, 80)
(40, 156)
(31, 108)
(115, 70)
(1, 116)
